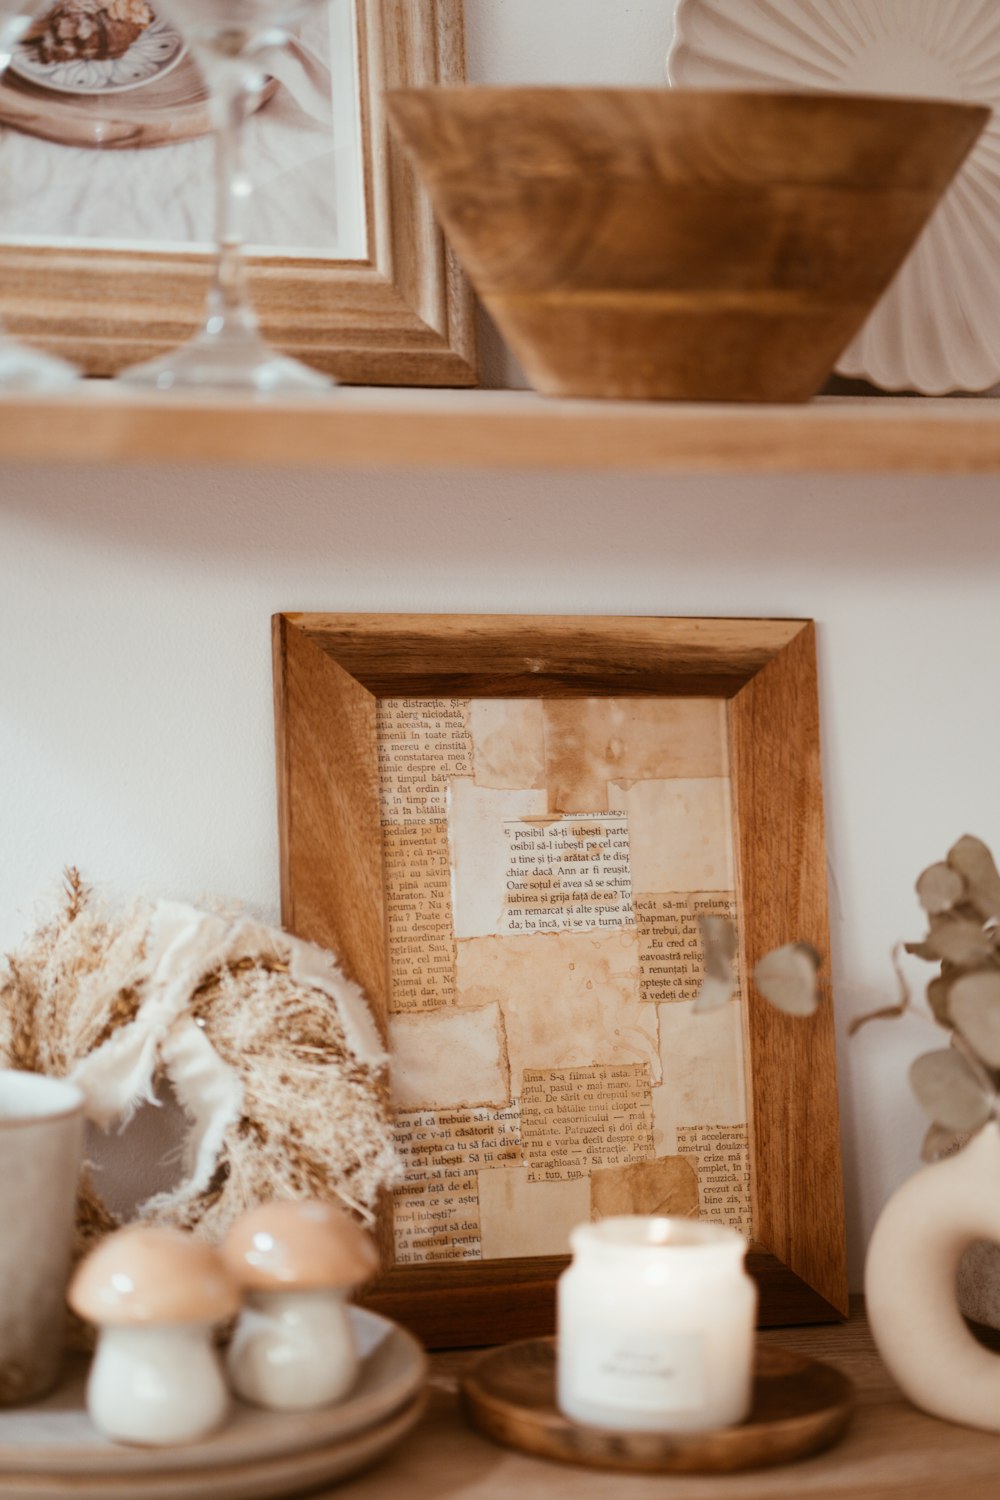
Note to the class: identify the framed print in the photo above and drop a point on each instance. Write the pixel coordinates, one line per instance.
(106, 197)
(507, 828)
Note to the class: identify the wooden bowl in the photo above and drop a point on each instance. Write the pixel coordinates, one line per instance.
(686, 244)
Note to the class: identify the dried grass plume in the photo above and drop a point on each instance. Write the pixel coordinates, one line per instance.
(269, 1048)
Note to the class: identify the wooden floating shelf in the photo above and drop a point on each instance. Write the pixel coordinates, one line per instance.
(369, 428)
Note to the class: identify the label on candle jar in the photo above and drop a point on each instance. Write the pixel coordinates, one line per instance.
(647, 1371)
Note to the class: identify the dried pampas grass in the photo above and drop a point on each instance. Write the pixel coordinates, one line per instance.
(74, 981)
(269, 1049)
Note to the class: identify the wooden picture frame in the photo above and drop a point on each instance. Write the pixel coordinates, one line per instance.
(404, 315)
(329, 672)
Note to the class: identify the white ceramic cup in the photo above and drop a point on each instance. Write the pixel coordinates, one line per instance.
(41, 1148)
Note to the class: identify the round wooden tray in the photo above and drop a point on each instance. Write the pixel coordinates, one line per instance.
(800, 1406)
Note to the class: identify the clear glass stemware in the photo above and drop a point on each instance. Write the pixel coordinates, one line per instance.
(230, 40)
(21, 367)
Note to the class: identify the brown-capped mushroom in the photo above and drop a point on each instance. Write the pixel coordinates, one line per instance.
(154, 1295)
(297, 1262)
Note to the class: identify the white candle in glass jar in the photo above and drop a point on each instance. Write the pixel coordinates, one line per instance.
(656, 1326)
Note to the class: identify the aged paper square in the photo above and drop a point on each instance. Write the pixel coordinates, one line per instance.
(430, 1141)
(568, 999)
(680, 833)
(568, 874)
(437, 1219)
(521, 1217)
(704, 1071)
(508, 743)
(442, 1059)
(575, 1119)
(591, 741)
(480, 852)
(422, 744)
(417, 872)
(436, 1210)
(723, 1156)
(666, 1186)
(670, 946)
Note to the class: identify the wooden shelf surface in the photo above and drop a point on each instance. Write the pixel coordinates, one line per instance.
(419, 429)
(891, 1449)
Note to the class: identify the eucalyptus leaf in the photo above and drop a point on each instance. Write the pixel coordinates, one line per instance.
(949, 1091)
(921, 950)
(938, 992)
(955, 940)
(714, 993)
(718, 936)
(940, 1142)
(967, 909)
(940, 888)
(789, 978)
(974, 1005)
(974, 862)
(719, 945)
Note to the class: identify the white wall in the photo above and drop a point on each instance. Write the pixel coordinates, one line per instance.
(568, 41)
(135, 707)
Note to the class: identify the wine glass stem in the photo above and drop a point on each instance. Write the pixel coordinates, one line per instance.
(229, 309)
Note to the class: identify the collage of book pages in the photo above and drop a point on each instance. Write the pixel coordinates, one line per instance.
(546, 861)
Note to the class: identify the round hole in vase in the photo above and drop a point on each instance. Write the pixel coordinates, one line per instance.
(911, 1284)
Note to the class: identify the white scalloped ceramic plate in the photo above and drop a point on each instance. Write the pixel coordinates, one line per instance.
(152, 55)
(937, 329)
(55, 1441)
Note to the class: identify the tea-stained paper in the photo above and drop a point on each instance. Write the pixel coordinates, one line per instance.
(546, 865)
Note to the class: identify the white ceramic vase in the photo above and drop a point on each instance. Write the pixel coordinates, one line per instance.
(910, 1284)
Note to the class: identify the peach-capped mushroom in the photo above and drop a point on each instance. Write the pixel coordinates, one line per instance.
(154, 1294)
(297, 1263)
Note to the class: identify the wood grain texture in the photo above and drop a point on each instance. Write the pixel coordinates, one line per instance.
(481, 1302)
(472, 1303)
(800, 1407)
(328, 809)
(330, 835)
(781, 862)
(503, 431)
(523, 655)
(330, 668)
(403, 316)
(685, 244)
(890, 1451)
(785, 1297)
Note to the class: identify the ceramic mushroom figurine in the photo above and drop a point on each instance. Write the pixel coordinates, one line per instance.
(154, 1295)
(296, 1262)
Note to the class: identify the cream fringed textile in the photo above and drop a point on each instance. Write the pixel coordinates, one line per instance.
(270, 1050)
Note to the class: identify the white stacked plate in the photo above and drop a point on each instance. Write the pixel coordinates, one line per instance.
(151, 56)
(50, 1451)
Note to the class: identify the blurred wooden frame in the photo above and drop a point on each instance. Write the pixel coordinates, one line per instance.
(330, 669)
(404, 316)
